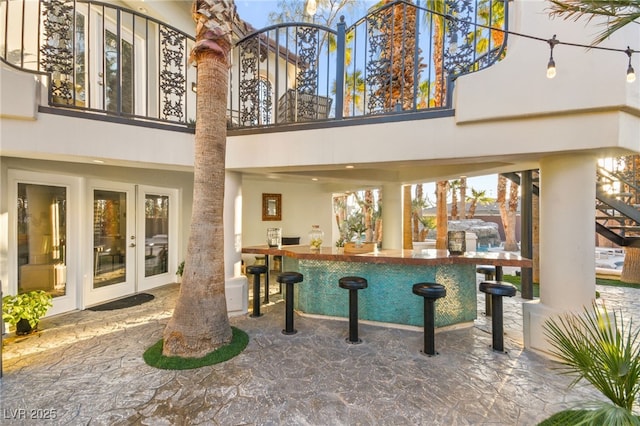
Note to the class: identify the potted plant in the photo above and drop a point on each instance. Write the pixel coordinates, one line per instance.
(25, 310)
(358, 229)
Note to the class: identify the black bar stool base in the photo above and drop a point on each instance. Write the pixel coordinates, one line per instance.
(353, 284)
(430, 292)
(497, 290)
(256, 271)
(289, 279)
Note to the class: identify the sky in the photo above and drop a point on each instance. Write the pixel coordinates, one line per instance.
(256, 12)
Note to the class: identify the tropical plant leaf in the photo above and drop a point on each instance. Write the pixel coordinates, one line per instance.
(618, 13)
(601, 349)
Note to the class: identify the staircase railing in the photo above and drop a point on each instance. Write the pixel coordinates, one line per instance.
(617, 192)
(617, 189)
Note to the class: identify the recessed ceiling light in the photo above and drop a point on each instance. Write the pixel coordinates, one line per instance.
(98, 161)
(314, 179)
(349, 166)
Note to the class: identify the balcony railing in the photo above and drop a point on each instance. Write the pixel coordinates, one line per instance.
(398, 58)
(113, 62)
(101, 58)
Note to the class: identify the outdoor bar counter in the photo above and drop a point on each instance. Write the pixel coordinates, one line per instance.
(390, 275)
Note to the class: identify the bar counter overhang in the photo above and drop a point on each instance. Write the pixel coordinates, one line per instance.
(390, 275)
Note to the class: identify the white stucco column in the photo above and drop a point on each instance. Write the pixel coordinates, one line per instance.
(391, 216)
(236, 287)
(567, 243)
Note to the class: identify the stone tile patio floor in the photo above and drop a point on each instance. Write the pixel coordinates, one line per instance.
(87, 368)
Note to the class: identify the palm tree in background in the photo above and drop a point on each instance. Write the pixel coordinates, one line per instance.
(508, 211)
(476, 197)
(400, 50)
(200, 323)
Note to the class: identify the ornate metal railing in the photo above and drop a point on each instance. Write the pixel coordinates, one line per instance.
(104, 59)
(398, 58)
(101, 58)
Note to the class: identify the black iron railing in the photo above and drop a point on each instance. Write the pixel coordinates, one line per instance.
(104, 59)
(398, 58)
(101, 58)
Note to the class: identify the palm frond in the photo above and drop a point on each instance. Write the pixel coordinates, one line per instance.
(618, 13)
(600, 349)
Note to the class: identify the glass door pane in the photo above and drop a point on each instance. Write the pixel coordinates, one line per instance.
(42, 236)
(156, 234)
(157, 221)
(109, 237)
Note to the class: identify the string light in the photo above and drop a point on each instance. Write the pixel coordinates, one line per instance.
(551, 66)
(631, 74)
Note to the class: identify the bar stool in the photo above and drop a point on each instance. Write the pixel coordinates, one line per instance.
(489, 275)
(497, 290)
(353, 284)
(430, 292)
(256, 271)
(289, 279)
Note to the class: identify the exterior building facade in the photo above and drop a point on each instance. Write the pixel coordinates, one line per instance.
(96, 206)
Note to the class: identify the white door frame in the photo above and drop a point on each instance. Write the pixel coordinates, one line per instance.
(74, 225)
(146, 283)
(93, 295)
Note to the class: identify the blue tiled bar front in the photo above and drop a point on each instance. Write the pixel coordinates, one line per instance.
(390, 274)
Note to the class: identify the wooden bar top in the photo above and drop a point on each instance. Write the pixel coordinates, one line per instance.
(399, 257)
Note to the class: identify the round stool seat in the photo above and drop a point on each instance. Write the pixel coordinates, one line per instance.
(430, 290)
(257, 269)
(290, 278)
(487, 270)
(352, 283)
(498, 288)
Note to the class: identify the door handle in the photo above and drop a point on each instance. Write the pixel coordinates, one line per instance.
(132, 245)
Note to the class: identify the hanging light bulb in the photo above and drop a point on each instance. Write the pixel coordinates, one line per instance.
(631, 73)
(551, 65)
(551, 68)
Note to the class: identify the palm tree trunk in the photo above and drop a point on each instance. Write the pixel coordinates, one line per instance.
(417, 212)
(442, 224)
(200, 324)
(407, 234)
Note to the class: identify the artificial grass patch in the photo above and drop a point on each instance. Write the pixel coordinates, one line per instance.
(153, 356)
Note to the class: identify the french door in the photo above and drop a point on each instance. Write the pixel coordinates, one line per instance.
(113, 241)
(157, 224)
(43, 234)
(133, 239)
